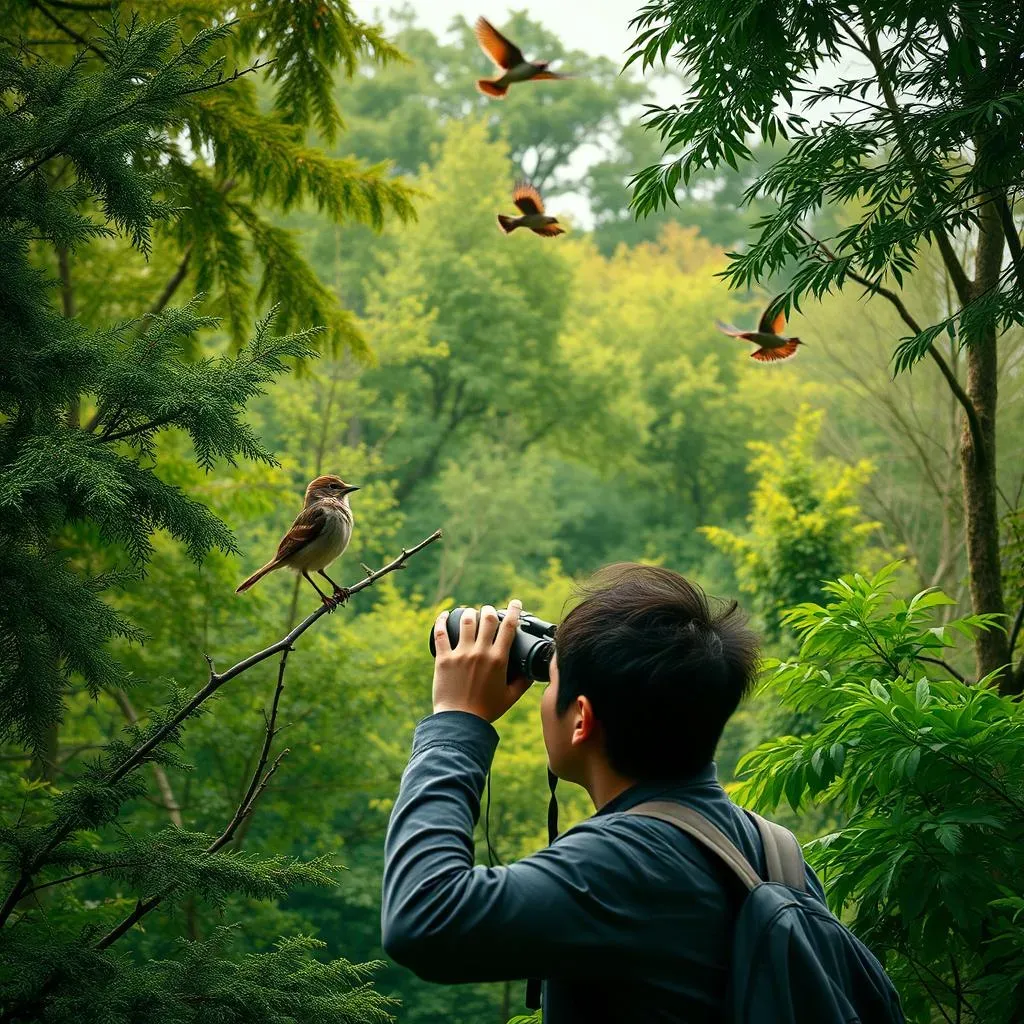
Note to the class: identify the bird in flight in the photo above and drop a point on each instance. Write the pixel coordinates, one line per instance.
(320, 534)
(509, 58)
(772, 344)
(531, 206)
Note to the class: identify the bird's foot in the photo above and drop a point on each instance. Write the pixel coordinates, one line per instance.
(330, 603)
(341, 595)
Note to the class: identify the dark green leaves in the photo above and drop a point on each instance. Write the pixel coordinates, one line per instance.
(923, 773)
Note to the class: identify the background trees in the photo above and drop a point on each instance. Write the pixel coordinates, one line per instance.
(604, 416)
(915, 149)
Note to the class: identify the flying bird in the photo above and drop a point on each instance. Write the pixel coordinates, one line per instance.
(320, 533)
(509, 59)
(531, 206)
(772, 345)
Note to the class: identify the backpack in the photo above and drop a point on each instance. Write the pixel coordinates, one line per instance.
(793, 961)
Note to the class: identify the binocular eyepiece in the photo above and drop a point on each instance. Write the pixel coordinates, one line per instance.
(532, 647)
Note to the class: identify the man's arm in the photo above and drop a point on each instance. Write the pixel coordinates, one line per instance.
(561, 909)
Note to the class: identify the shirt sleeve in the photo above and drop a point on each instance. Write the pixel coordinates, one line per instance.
(569, 908)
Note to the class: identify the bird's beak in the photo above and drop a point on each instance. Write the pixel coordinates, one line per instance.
(350, 488)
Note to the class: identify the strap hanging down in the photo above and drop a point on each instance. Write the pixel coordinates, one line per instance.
(783, 856)
(533, 984)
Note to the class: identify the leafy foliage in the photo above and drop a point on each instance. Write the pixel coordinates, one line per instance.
(88, 151)
(916, 140)
(923, 770)
(804, 526)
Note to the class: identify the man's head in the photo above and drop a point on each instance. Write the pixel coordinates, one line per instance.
(645, 677)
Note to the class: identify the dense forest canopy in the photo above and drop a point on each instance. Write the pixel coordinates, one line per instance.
(246, 247)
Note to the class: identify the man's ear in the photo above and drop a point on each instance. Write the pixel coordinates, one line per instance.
(584, 722)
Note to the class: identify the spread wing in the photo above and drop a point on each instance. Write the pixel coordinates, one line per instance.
(770, 355)
(306, 528)
(548, 74)
(550, 230)
(502, 51)
(733, 332)
(772, 325)
(527, 198)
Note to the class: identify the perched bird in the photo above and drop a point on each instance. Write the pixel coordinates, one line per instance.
(530, 204)
(510, 59)
(320, 533)
(768, 337)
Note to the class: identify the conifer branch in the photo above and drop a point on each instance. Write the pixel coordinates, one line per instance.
(137, 757)
(239, 72)
(141, 428)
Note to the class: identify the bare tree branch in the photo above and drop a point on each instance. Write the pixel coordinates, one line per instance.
(944, 664)
(216, 680)
(168, 800)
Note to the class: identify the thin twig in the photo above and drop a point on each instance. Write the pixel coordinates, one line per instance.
(213, 684)
(954, 385)
(69, 31)
(69, 878)
(949, 668)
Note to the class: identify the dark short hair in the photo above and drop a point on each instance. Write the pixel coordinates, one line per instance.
(663, 671)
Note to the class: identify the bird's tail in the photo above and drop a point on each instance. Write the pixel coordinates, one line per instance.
(257, 576)
(492, 89)
(507, 224)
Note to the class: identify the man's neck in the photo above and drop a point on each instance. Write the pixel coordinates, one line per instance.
(604, 784)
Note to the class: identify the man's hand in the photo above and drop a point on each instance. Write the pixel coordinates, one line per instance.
(471, 677)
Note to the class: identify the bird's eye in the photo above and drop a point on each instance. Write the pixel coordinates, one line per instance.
(335, 487)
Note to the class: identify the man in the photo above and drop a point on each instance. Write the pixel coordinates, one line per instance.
(625, 917)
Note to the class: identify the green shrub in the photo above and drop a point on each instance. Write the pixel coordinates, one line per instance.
(925, 769)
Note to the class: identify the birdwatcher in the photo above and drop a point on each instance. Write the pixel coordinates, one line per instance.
(671, 903)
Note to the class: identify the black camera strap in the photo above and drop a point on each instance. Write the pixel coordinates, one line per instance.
(533, 984)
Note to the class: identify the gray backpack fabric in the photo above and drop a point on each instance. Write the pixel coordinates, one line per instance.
(793, 962)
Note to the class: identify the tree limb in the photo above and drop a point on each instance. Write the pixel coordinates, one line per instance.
(216, 680)
(954, 385)
(871, 50)
(169, 802)
(949, 668)
(172, 285)
(68, 30)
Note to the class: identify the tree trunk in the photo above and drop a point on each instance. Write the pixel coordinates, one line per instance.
(978, 469)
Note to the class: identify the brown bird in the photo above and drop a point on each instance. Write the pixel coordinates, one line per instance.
(320, 533)
(510, 59)
(768, 337)
(530, 204)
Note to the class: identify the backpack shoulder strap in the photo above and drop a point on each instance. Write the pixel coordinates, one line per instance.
(783, 856)
(708, 835)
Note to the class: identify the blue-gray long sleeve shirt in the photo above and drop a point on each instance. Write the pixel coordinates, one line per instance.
(626, 918)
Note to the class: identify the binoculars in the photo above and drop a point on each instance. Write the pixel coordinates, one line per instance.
(532, 648)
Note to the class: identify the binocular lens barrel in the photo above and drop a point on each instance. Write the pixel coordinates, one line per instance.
(532, 648)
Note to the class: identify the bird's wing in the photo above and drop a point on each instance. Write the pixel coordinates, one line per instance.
(502, 51)
(550, 230)
(770, 355)
(547, 74)
(306, 528)
(733, 332)
(527, 198)
(772, 325)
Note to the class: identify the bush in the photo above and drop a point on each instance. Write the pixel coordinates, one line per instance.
(925, 769)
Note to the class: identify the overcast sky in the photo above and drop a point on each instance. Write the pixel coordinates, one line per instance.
(595, 26)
